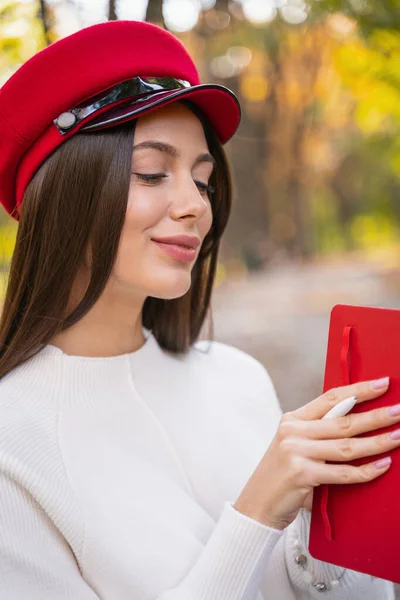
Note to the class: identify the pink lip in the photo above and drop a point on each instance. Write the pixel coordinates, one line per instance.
(180, 240)
(177, 252)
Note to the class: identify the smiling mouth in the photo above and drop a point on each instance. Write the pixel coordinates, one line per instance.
(178, 252)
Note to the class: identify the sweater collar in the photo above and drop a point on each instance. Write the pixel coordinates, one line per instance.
(150, 342)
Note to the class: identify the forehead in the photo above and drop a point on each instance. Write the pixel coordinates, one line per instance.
(174, 121)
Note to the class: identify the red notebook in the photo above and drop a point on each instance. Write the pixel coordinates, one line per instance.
(357, 526)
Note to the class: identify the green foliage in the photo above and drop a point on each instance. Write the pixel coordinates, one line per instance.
(8, 234)
(370, 14)
(21, 35)
(372, 71)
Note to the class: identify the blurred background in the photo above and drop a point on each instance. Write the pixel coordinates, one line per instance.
(316, 160)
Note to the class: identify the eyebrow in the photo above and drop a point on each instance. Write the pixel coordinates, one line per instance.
(172, 151)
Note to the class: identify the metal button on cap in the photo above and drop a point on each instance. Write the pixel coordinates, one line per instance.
(66, 120)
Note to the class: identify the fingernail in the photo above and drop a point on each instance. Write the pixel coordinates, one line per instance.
(379, 384)
(394, 410)
(383, 462)
(395, 435)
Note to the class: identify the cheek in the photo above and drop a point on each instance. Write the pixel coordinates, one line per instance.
(142, 214)
(206, 222)
(145, 208)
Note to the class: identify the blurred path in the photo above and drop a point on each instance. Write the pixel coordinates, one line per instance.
(281, 317)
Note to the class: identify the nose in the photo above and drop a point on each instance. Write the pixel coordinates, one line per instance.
(188, 202)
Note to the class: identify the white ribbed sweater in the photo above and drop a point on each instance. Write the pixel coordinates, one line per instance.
(118, 475)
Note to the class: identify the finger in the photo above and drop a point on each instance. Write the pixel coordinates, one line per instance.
(347, 426)
(348, 449)
(344, 474)
(364, 390)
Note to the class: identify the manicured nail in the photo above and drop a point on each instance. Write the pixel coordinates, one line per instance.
(383, 462)
(394, 410)
(395, 435)
(379, 384)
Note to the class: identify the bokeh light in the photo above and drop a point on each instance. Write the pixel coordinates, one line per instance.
(240, 56)
(217, 19)
(259, 11)
(16, 28)
(207, 4)
(222, 67)
(254, 88)
(294, 13)
(180, 15)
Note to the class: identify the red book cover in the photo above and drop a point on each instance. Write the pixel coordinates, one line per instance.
(357, 526)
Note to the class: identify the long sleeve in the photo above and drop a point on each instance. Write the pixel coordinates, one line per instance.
(232, 563)
(36, 563)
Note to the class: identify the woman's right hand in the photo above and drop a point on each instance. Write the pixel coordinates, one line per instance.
(294, 463)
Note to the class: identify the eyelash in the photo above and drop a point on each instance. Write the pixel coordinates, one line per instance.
(209, 189)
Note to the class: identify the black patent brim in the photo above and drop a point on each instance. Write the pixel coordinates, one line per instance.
(218, 103)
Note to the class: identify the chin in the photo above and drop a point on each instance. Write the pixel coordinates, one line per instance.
(171, 287)
(171, 293)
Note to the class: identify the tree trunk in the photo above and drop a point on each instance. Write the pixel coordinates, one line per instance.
(154, 13)
(112, 12)
(43, 15)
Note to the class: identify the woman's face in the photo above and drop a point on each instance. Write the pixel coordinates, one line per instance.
(171, 168)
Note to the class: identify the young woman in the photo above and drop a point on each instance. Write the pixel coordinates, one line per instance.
(137, 463)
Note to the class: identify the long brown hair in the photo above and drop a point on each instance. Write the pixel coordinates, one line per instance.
(78, 197)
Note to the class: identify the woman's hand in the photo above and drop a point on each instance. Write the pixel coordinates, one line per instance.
(294, 463)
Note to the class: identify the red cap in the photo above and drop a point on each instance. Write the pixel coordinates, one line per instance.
(100, 76)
